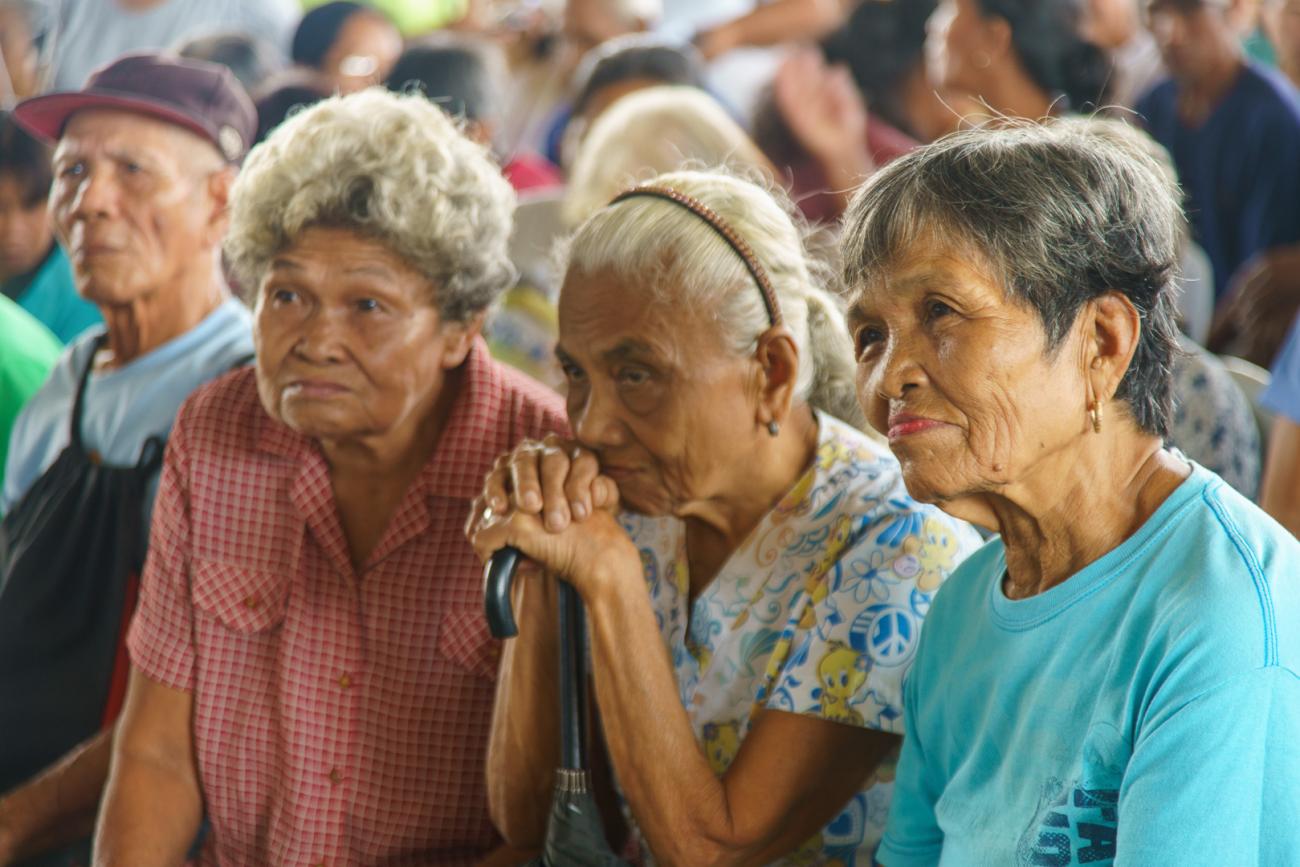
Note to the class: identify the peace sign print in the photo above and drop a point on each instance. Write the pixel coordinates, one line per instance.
(886, 633)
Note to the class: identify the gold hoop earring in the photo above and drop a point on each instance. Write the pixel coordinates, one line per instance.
(1094, 413)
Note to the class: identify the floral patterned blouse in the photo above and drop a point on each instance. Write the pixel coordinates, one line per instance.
(817, 613)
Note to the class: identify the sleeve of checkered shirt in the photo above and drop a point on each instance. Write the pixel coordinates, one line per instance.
(161, 639)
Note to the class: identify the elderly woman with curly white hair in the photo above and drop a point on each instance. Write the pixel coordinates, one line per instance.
(310, 664)
(754, 572)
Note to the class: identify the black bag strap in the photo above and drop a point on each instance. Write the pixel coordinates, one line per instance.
(74, 435)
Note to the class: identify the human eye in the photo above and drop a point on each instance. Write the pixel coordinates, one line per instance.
(866, 338)
(936, 309)
(73, 169)
(572, 372)
(633, 376)
(281, 297)
(367, 305)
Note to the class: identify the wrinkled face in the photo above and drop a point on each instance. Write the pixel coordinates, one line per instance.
(958, 376)
(363, 54)
(130, 203)
(25, 229)
(1189, 36)
(349, 342)
(655, 393)
(957, 49)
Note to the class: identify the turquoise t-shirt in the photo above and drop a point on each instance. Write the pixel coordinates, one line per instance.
(1145, 711)
(51, 296)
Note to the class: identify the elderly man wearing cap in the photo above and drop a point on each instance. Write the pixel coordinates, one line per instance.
(146, 155)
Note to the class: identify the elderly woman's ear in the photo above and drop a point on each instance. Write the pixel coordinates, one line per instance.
(778, 358)
(1111, 329)
(460, 339)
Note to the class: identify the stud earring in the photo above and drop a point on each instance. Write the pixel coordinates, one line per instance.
(774, 427)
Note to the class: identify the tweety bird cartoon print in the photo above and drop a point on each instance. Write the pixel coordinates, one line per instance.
(817, 613)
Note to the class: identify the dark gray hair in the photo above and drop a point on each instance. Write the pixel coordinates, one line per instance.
(1060, 212)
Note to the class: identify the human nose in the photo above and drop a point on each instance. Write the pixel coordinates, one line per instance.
(321, 338)
(94, 195)
(594, 418)
(898, 369)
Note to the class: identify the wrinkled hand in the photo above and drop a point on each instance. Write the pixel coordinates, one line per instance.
(549, 500)
(822, 107)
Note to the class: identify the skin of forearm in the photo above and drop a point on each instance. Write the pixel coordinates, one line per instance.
(59, 806)
(523, 747)
(787, 20)
(152, 811)
(680, 805)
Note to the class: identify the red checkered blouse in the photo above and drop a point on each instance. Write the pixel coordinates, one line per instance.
(338, 718)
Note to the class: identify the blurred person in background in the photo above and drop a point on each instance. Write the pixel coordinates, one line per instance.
(145, 158)
(33, 267)
(1281, 19)
(830, 119)
(282, 95)
(27, 352)
(1263, 299)
(462, 75)
(348, 46)
(619, 67)
(87, 34)
(1020, 58)
(20, 63)
(652, 131)
(1116, 25)
(1233, 130)
(586, 27)
(1280, 487)
(250, 59)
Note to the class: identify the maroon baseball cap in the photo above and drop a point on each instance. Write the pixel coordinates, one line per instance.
(204, 98)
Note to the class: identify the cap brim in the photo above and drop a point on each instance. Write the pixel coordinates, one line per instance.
(46, 116)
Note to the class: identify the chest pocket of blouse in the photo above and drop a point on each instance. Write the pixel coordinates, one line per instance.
(463, 638)
(244, 600)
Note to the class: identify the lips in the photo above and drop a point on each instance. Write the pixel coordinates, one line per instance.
(903, 425)
(314, 389)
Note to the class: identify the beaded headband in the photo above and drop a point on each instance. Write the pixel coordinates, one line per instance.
(724, 229)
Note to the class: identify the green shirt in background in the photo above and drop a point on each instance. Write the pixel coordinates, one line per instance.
(27, 352)
(414, 17)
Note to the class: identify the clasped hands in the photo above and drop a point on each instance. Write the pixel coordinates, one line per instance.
(548, 499)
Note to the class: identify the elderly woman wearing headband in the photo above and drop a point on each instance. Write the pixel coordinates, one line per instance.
(754, 572)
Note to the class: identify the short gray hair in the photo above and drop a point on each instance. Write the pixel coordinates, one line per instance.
(1061, 212)
(392, 167)
(674, 257)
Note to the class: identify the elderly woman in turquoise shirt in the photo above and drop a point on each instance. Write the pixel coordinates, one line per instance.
(1114, 679)
(754, 572)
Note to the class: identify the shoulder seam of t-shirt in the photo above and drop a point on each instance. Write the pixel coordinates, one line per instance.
(1272, 670)
(1257, 577)
(1166, 527)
